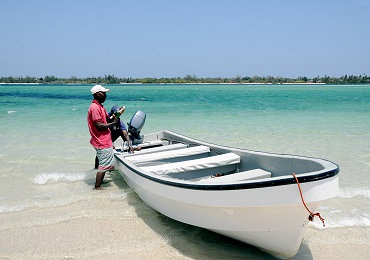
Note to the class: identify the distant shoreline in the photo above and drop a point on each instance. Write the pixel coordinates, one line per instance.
(206, 83)
(199, 83)
(193, 80)
(1, 83)
(189, 83)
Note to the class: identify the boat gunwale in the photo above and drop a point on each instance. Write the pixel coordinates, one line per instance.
(241, 185)
(237, 186)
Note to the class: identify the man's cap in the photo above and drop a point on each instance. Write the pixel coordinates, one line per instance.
(115, 109)
(98, 88)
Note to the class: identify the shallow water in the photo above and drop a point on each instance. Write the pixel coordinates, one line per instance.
(46, 160)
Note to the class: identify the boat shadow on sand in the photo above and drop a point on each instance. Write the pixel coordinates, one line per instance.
(195, 242)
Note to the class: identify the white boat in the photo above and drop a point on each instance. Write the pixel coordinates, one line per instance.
(254, 198)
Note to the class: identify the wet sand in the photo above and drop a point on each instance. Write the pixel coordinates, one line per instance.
(129, 229)
(133, 239)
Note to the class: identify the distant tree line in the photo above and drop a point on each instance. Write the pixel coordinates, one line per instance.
(111, 79)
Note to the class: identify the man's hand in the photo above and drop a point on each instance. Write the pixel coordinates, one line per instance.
(115, 119)
(102, 126)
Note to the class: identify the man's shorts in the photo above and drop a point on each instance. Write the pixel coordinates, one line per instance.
(105, 157)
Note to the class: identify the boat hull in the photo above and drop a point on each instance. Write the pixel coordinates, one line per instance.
(271, 218)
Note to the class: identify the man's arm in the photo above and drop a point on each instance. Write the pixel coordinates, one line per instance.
(101, 126)
(125, 134)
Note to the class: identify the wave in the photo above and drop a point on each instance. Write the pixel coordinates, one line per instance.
(12, 208)
(358, 221)
(62, 198)
(11, 111)
(54, 177)
(348, 193)
(38, 202)
(118, 195)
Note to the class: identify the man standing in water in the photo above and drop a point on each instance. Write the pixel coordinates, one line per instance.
(100, 133)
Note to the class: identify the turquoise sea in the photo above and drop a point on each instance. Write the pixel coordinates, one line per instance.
(48, 209)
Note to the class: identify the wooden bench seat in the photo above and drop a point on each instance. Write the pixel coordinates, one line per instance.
(157, 149)
(163, 155)
(194, 165)
(239, 176)
(152, 143)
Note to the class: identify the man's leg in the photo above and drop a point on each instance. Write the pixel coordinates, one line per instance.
(105, 157)
(99, 179)
(114, 134)
(96, 162)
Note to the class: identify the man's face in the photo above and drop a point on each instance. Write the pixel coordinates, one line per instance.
(101, 96)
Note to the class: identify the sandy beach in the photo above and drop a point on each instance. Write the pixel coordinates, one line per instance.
(134, 231)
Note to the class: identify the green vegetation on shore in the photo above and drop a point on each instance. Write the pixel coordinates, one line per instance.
(111, 79)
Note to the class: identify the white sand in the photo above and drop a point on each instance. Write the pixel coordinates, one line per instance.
(105, 226)
(132, 238)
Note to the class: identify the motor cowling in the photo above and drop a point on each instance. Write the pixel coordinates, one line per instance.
(134, 127)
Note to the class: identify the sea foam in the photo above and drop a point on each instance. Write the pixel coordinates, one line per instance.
(11, 208)
(44, 178)
(358, 221)
(348, 193)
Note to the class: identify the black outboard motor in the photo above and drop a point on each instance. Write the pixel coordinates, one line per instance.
(134, 127)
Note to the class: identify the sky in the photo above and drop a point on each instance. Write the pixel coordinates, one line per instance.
(173, 38)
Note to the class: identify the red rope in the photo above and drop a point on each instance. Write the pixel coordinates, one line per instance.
(312, 215)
